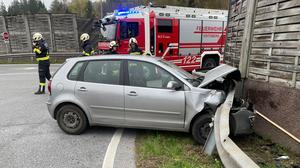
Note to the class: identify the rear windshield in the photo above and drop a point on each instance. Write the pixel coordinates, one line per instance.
(59, 68)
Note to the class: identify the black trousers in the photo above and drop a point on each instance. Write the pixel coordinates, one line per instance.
(44, 72)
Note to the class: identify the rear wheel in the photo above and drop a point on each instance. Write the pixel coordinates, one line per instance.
(71, 119)
(209, 63)
(201, 128)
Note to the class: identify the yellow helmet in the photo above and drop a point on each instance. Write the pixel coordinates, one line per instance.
(84, 37)
(37, 37)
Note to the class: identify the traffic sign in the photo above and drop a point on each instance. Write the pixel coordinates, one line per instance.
(5, 36)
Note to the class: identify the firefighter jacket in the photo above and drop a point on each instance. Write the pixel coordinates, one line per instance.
(135, 51)
(87, 48)
(111, 51)
(41, 50)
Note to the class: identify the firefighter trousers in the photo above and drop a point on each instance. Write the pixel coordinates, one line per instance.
(44, 72)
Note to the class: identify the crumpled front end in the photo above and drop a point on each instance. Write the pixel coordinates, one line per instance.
(212, 91)
(200, 99)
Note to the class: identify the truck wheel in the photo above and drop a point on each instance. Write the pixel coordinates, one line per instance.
(71, 119)
(209, 63)
(201, 128)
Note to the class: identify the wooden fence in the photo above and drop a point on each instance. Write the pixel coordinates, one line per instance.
(264, 40)
(59, 30)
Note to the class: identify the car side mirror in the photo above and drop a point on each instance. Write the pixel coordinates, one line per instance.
(173, 85)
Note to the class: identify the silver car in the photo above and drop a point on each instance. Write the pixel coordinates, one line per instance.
(137, 92)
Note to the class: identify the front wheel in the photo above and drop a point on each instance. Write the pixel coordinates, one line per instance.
(201, 128)
(71, 119)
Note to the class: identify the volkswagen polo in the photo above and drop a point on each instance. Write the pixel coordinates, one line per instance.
(137, 92)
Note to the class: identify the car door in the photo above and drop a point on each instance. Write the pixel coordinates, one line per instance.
(148, 102)
(100, 89)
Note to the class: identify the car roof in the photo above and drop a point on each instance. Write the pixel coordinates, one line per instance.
(105, 57)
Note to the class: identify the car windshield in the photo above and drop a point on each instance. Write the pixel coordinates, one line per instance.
(110, 32)
(192, 79)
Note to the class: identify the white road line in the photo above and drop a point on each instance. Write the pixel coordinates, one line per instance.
(111, 151)
(14, 74)
(30, 68)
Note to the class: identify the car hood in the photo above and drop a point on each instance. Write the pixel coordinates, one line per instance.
(220, 72)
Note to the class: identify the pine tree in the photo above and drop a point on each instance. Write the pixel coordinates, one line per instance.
(89, 8)
(3, 11)
(26, 7)
(15, 8)
(55, 6)
(41, 7)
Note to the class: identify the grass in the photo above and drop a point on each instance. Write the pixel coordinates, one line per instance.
(264, 151)
(158, 149)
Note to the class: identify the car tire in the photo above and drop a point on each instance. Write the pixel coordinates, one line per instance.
(71, 119)
(201, 128)
(209, 63)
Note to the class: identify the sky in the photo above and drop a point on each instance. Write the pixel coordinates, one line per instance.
(46, 2)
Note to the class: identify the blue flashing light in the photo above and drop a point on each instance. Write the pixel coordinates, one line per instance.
(125, 13)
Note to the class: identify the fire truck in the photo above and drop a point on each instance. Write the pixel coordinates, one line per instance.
(192, 38)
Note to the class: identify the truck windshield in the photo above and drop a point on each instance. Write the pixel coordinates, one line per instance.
(110, 33)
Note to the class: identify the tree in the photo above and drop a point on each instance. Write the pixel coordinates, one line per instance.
(42, 8)
(3, 11)
(89, 8)
(14, 8)
(79, 7)
(58, 7)
(26, 7)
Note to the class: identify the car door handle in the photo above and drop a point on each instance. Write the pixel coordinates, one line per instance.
(132, 93)
(83, 89)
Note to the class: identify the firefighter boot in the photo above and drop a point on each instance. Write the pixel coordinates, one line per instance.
(41, 90)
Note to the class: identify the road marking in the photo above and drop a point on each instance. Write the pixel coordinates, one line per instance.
(13, 74)
(30, 68)
(111, 151)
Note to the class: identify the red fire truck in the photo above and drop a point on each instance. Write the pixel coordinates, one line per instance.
(192, 38)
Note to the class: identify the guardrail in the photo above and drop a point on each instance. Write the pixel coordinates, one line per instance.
(231, 155)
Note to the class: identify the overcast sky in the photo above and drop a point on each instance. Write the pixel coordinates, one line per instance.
(46, 2)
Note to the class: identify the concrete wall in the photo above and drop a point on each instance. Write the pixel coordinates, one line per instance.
(264, 42)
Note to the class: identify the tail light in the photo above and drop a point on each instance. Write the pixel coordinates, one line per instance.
(49, 86)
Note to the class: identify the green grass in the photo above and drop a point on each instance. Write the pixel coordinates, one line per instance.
(158, 149)
(264, 151)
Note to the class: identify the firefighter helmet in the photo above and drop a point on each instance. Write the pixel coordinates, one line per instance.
(132, 40)
(112, 44)
(84, 37)
(37, 37)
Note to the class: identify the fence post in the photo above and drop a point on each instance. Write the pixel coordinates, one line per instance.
(27, 32)
(246, 39)
(246, 46)
(75, 32)
(52, 38)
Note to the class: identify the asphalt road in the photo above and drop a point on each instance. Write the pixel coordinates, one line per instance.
(29, 137)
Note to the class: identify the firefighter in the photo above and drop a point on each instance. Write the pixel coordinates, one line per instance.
(134, 48)
(113, 47)
(40, 48)
(87, 49)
